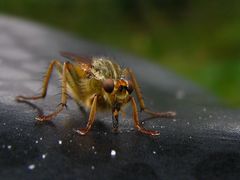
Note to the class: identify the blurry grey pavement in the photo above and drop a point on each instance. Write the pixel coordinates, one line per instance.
(202, 142)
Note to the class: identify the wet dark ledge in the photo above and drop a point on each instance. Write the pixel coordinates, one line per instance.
(202, 142)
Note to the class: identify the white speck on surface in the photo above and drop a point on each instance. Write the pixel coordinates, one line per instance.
(190, 137)
(204, 109)
(4, 124)
(174, 120)
(3, 146)
(188, 123)
(70, 140)
(162, 127)
(9, 147)
(60, 142)
(44, 156)
(41, 138)
(210, 116)
(31, 166)
(36, 141)
(154, 152)
(93, 147)
(95, 152)
(92, 167)
(113, 153)
(142, 122)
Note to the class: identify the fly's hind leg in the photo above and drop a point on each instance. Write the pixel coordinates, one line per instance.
(136, 87)
(44, 84)
(61, 68)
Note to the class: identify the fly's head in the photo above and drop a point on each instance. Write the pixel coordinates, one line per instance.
(117, 91)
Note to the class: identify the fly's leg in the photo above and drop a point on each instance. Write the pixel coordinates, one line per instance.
(115, 120)
(136, 121)
(44, 84)
(168, 114)
(91, 118)
(115, 114)
(44, 91)
(63, 97)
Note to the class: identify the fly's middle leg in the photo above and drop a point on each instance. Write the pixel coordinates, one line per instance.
(137, 123)
(91, 118)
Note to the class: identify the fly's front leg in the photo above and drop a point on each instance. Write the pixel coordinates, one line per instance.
(136, 87)
(91, 118)
(136, 121)
(115, 114)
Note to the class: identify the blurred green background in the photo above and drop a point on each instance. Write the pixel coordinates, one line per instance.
(199, 40)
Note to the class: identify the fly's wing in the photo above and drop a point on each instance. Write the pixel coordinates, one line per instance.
(77, 58)
(82, 66)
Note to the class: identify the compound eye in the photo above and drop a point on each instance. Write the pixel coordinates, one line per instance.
(108, 85)
(130, 87)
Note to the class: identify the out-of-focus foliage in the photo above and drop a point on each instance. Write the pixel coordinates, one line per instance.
(198, 39)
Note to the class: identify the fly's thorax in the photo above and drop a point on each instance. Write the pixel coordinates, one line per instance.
(104, 68)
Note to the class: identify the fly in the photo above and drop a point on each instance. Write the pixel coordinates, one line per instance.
(97, 84)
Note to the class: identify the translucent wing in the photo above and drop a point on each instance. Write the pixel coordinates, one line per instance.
(82, 66)
(76, 58)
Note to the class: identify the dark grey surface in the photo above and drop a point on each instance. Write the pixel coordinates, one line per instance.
(202, 142)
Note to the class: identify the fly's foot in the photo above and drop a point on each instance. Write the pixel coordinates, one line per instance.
(148, 132)
(82, 131)
(19, 98)
(43, 118)
(169, 114)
